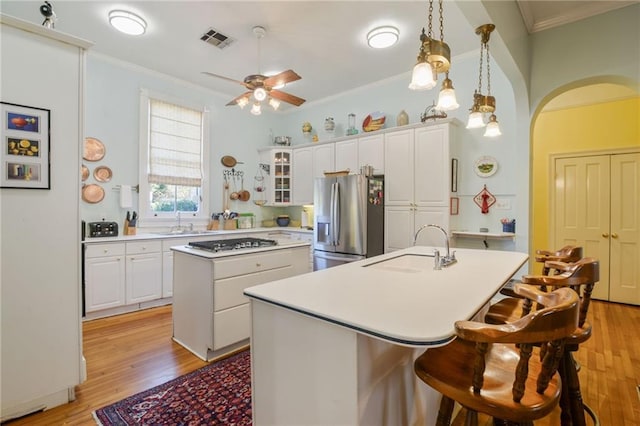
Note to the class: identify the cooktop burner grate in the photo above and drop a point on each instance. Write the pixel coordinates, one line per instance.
(232, 244)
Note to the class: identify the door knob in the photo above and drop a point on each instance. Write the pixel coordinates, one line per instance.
(614, 235)
(605, 235)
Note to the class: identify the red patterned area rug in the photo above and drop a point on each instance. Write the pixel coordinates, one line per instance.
(218, 394)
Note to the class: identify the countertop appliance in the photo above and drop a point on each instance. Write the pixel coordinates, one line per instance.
(103, 229)
(232, 244)
(348, 219)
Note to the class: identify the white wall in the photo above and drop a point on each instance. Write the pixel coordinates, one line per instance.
(113, 89)
(40, 251)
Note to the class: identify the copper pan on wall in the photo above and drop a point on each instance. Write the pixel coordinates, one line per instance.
(229, 161)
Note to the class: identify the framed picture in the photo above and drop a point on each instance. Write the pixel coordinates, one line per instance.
(25, 147)
(454, 205)
(454, 175)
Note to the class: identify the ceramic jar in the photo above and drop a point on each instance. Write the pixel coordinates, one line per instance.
(403, 118)
(329, 124)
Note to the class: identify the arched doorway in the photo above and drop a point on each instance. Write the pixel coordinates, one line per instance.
(597, 118)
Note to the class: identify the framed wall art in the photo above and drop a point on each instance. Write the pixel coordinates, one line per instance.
(26, 145)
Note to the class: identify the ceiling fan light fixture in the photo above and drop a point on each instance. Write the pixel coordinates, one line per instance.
(127, 22)
(242, 102)
(256, 109)
(274, 103)
(383, 37)
(476, 120)
(260, 94)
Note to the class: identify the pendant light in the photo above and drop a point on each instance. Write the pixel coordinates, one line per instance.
(434, 57)
(484, 103)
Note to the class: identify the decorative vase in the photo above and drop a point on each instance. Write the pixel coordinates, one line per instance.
(403, 118)
(329, 124)
(306, 127)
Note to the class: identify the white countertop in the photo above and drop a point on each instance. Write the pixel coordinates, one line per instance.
(404, 301)
(282, 244)
(213, 234)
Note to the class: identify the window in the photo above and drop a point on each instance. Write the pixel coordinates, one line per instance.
(172, 170)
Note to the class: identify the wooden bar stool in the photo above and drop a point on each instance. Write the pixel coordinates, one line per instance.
(581, 277)
(489, 368)
(567, 254)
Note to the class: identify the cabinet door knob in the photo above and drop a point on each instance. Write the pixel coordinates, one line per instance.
(605, 235)
(614, 235)
(258, 265)
(106, 250)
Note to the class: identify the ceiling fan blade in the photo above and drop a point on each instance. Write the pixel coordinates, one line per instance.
(286, 97)
(282, 78)
(226, 78)
(235, 100)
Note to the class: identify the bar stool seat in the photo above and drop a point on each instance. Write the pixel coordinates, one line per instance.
(581, 277)
(490, 368)
(567, 254)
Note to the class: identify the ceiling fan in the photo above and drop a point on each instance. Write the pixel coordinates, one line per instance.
(261, 86)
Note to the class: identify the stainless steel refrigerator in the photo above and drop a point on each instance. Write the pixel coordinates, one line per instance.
(348, 219)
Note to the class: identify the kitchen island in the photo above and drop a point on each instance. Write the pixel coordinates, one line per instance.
(336, 347)
(211, 316)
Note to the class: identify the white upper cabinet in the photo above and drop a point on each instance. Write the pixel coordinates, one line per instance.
(347, 155)
(323, 159)
(302, 176)
(371, 152)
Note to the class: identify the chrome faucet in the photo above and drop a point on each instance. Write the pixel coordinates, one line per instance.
(441, 261)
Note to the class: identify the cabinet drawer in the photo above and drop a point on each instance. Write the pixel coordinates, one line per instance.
(247, 264)
(228, 292)
(231, 326)
(140, 247)
(101, 250)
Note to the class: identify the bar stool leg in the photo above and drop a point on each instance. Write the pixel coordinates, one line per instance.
(576, 406)
(445, 411)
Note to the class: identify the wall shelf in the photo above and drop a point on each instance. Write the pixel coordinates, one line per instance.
(484, 235)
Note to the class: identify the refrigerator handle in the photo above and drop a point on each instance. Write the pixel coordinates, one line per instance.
(332, 215)
(336, 226)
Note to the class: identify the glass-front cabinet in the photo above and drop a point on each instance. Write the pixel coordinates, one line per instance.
(280, 183)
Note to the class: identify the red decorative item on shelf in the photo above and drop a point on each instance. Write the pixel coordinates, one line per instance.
(484, 200)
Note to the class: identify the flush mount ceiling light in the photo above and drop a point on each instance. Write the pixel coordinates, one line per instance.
(434, 57)
(484, 103)
(127, 22)
(383, 37)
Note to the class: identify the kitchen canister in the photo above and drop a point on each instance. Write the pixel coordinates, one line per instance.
(329, 124)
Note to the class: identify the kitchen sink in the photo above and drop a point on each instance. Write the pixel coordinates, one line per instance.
(407, 263)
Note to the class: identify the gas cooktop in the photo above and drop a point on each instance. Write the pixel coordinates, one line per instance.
(232, 244)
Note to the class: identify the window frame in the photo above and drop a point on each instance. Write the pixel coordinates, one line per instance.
(148, 217)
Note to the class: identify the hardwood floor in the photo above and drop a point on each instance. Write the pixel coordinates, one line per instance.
(130, 353)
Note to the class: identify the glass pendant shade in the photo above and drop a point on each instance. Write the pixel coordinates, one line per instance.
(423, 77)
(475, 120)
(447, 98)
(493, 129)
(256, 109)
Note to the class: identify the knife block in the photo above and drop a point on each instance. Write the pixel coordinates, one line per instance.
(128, 230)
(213, 225)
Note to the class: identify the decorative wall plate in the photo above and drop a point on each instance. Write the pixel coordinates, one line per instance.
(92, 193)
(102, 174)
(485, 166)
(93, 149)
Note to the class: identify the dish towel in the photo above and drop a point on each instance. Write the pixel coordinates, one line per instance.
(125, 196)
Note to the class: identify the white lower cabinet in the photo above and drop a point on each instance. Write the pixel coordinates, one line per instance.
(104, 276)
(211, 315)
(401, 224)
(143, 271)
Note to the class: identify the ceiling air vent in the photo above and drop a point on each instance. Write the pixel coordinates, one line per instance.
(216, 38)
